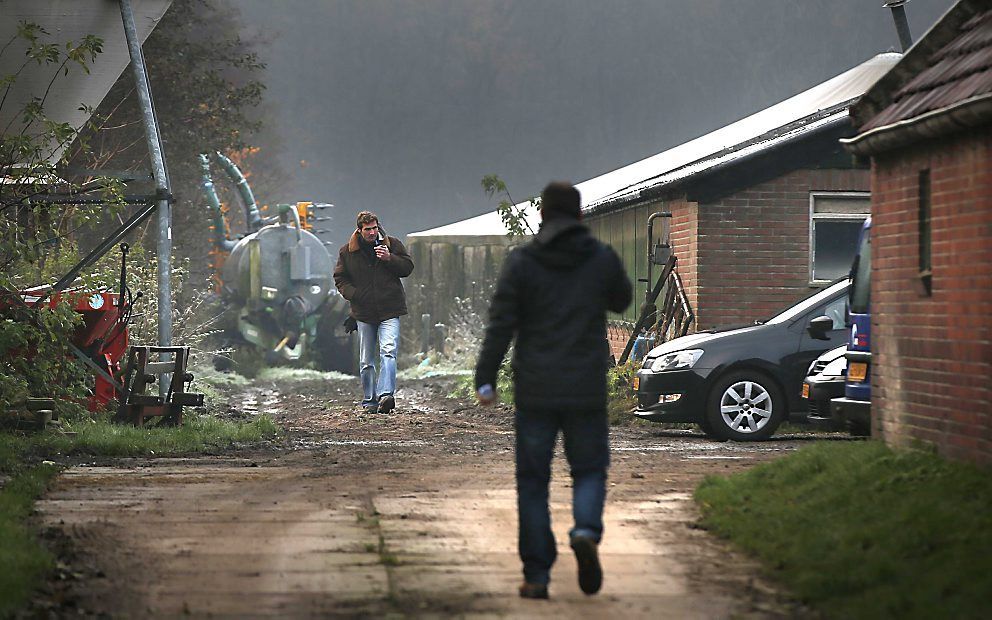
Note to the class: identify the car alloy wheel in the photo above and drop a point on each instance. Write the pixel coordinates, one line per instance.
(745, 406)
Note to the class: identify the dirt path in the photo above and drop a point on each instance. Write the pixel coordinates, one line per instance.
(411, 514)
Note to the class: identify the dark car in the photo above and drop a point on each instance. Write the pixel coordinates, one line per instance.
(741, 383)
(824, 382)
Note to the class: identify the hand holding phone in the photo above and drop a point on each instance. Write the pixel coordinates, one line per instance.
(381, 251)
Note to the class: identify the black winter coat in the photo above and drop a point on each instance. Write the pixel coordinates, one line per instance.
(371, 285)
(553, 294)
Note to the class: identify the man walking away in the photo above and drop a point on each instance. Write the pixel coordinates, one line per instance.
(553, 294)
(368, 275)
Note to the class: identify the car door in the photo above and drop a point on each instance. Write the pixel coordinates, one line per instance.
(810, 348)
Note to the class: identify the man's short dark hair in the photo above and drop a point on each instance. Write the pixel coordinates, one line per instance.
(561, 199)
(367, 217)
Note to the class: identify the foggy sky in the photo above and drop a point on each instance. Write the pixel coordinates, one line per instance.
(401, 106)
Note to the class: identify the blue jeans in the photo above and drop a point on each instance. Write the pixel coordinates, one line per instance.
(387, 335)
(587, 447)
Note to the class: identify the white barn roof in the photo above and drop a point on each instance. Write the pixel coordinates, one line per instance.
(818, 106)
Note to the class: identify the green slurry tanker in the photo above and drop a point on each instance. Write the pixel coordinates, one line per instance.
(276, 283)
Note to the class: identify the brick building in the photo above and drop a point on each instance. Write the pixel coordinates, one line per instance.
(927, 126)
(766, 209)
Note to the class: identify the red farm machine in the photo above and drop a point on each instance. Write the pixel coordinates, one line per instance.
(101, 342)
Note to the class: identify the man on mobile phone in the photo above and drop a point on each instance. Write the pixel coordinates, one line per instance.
(368, 275)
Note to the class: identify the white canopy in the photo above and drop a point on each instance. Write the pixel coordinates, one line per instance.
(68, 20)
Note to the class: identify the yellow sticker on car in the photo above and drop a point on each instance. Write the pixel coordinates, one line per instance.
(857, 371)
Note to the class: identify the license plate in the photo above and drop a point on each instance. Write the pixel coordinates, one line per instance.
(857, 371)
(805, 390)
(637, 383)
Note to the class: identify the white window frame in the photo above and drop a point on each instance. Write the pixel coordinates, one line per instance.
(842, 217)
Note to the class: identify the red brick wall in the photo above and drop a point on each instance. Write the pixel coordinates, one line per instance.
(685, 244)
(932, 357)
(746, 256)
(753, 246)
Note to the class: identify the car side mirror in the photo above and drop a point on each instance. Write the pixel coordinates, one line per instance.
(819, 327)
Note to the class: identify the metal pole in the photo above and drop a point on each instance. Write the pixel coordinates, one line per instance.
(902, 24)
(157, 157)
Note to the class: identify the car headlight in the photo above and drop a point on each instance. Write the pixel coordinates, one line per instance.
(676, 361)
(835, 368)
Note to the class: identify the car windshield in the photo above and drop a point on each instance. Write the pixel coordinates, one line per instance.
(861, 287)
(793, 312)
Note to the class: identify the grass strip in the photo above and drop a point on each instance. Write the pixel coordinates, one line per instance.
(100, 437)
(24, 559)
(857, 530)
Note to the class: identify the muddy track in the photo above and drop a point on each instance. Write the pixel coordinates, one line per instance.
(407, 514)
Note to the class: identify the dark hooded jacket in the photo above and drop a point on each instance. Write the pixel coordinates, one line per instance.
(373, 286)
(553, 294)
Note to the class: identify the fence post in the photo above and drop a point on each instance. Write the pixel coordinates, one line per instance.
(425, 332)
(440, 333)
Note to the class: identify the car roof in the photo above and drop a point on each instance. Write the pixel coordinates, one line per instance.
(802, 307)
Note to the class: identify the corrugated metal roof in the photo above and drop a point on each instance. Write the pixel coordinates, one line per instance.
(955, 72)
(69, 20)
(804, 113)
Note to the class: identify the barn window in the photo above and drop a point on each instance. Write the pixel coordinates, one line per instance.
(835, 222)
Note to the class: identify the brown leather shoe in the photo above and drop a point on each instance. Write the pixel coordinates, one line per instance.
(533, 590)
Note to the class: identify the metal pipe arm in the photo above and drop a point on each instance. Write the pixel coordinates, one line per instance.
(252, 217)
(221, 241)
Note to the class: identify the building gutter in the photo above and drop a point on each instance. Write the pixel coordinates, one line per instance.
(651, 193)
(967, 114)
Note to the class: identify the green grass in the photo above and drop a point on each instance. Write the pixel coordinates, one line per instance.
(24, 560)
(465, 386)
(99, 437)
(857, 530)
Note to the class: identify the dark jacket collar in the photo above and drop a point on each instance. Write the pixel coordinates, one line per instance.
(562, 243)
(554, 228)
(355, 243)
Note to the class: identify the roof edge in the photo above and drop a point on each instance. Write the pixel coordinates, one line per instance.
(959, 116)
(839, 116)
(942, 32)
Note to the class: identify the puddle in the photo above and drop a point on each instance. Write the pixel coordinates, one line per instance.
(301, 374)
(697, 447)
(686, 447)
(360, 442)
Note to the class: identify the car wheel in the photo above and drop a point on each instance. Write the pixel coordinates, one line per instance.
(745, 406)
